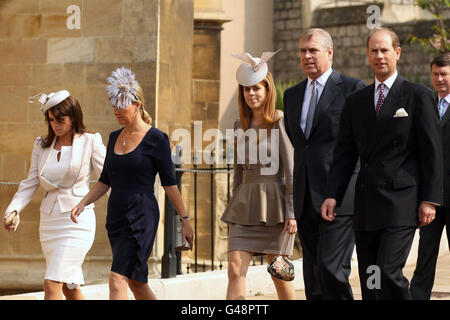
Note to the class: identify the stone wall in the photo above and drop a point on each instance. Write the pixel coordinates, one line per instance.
(350, 43)
(38, 53)
(348, 28)
(287, 26)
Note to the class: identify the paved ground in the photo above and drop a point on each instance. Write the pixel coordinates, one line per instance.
(441, 289)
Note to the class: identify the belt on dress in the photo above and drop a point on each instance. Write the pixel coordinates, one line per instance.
(254, 176)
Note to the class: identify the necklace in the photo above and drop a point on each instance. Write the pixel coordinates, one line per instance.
(124, 143)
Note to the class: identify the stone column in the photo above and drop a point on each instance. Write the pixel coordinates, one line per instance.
(173, 89)
(208, 21)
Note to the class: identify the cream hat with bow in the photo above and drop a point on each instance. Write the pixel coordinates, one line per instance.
(253, 70)
(52, 99)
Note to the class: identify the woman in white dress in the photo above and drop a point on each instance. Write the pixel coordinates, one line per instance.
(62, 163)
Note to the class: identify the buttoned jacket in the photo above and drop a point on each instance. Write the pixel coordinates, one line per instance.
(88, 154)
(400, 152)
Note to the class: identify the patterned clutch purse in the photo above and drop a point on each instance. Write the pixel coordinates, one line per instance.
(281, 267)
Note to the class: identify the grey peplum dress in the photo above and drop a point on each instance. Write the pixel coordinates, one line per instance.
(262, 195)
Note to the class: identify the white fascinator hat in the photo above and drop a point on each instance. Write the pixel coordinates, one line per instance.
(50, 100)
(253, 70)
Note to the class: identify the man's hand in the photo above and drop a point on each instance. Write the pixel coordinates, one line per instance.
(327, 209)
(427, 212)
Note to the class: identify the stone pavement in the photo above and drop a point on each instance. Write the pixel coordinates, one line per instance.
(212, 285)
(441, 288)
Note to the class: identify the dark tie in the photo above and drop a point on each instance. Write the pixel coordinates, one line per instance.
(311, 110)
(380, 98)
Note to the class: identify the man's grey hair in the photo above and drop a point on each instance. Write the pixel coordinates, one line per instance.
(322, 35)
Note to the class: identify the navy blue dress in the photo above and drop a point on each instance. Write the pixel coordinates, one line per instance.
(133, 213)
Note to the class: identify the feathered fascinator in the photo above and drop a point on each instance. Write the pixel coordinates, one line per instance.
(122, 88)
(253, 70)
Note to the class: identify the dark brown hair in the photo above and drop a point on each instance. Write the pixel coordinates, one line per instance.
(69, 107)
(442, 60)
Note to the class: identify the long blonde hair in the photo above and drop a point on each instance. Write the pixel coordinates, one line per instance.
(270, 113)
(140, 95)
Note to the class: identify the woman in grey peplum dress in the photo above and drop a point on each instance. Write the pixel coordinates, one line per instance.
(260, 214)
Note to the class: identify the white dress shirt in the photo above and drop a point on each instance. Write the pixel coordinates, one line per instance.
(388, 83)
(55, 169)
(320, 84)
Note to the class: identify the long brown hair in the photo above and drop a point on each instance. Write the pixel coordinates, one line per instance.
(270, 113)
(69, 107)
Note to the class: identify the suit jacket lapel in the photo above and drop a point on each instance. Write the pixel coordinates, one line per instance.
(75, 162)
(369, 117)
(329, 92)
(446, 116)
(298, 111)
(392, 103)
(44, 156)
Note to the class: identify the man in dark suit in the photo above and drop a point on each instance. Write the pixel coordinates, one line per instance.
(430, 235)
(392, 127)
(311, 113)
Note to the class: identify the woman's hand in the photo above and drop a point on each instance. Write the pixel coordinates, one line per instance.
(188, 232)
(77, 211)
(290, 226)
(14, 223)
(97, 191)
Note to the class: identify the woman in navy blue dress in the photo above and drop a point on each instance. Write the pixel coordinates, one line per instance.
(135, 154)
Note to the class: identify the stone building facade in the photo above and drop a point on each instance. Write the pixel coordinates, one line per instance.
(181, 52)
(43, 50)
(347, 22)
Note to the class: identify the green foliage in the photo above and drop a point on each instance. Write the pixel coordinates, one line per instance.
(439, 42)
(423, 79)
(280, 88)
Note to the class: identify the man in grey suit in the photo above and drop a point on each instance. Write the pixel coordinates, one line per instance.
(430, 235)
(312, 111)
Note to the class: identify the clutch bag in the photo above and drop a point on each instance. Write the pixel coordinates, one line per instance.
(280, 266)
